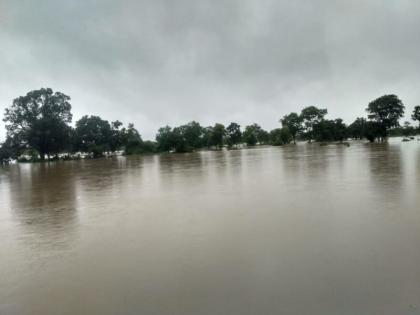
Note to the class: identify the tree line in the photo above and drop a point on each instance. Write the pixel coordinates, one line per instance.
(38, 126)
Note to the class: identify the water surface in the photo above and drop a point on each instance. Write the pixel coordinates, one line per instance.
(276, 230)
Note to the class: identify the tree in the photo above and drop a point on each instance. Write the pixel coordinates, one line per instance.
(250, 134)
(164, 139)
(40, 120)
(132, 141)
(192, 134)
(416, 114)
(386, 111)
(217, 135)
(407, 130)
(9, 150)
(206, 139)
(280, 136)
(357, 130)
(330, 130)
(93, 135)
(263, 136)
(294, 123)
(311, 116)
(234, 134)
(117, 136)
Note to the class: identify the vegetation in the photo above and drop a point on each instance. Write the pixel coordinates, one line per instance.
(311, 116)
(386, 112)
(38, 127)
(293, 122)
(416, 114)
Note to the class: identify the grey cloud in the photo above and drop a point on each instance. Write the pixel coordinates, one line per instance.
(161, 61)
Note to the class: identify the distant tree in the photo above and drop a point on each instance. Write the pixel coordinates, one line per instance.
(40, 120)
(205, 139)
(294, 124)
(149, 147)
(416, 114)
(263, 136)
(93, 135)
(234, 134)
(192, 134)
(165, 139)
(357, 130)
(373, 130)
(117, 136)
(179, 143)
(311, 116)
(386, 111)
(132, 141)
(250, 135)
(280, 136)
(330, 130)
(217, 135)
(9, 150)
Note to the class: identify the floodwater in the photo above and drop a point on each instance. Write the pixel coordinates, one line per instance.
(273, 230)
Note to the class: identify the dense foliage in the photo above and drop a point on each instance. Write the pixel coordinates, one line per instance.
(38, 127)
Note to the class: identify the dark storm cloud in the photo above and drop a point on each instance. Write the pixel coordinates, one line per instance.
(157, 62)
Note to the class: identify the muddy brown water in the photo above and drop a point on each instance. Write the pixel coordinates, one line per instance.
(274, 230)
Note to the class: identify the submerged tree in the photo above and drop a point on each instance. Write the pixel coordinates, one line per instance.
(233, 134)
(40, 120)
(330, 130)
(9, 150)
(93, 135)
(217, 135)
(293, 122)
(132, 141)
(386, 111)
(416, 114)
(192, 134)
(311, 116)
(250, 135)
(164, 139)
(280, 136)
(357, 129)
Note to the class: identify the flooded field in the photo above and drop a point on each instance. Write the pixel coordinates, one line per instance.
(273, 230)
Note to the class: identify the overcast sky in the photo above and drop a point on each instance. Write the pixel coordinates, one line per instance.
(159, 62)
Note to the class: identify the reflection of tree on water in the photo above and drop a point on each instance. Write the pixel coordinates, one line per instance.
(386, 172)
(42, 199)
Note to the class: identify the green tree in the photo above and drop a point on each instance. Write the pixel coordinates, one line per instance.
(311, 116)
(192, 134)
(386, 111)
(165, 139)
(9, 150)
(93, 135)
(294, 123)
(407, 130)
(280, 136)
(206, 139)
(132, 141)
(416, 114)
(217, 135)
(40, 120)
(330, 130)
(234, 134)
(117, 136)
(357, 130)
(250, 134)
(263, 136)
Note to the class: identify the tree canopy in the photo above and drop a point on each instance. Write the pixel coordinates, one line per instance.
(38, 126)
(294, 124)
(311, 116)
(386, 111)
(416, 113)
(40, 120)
